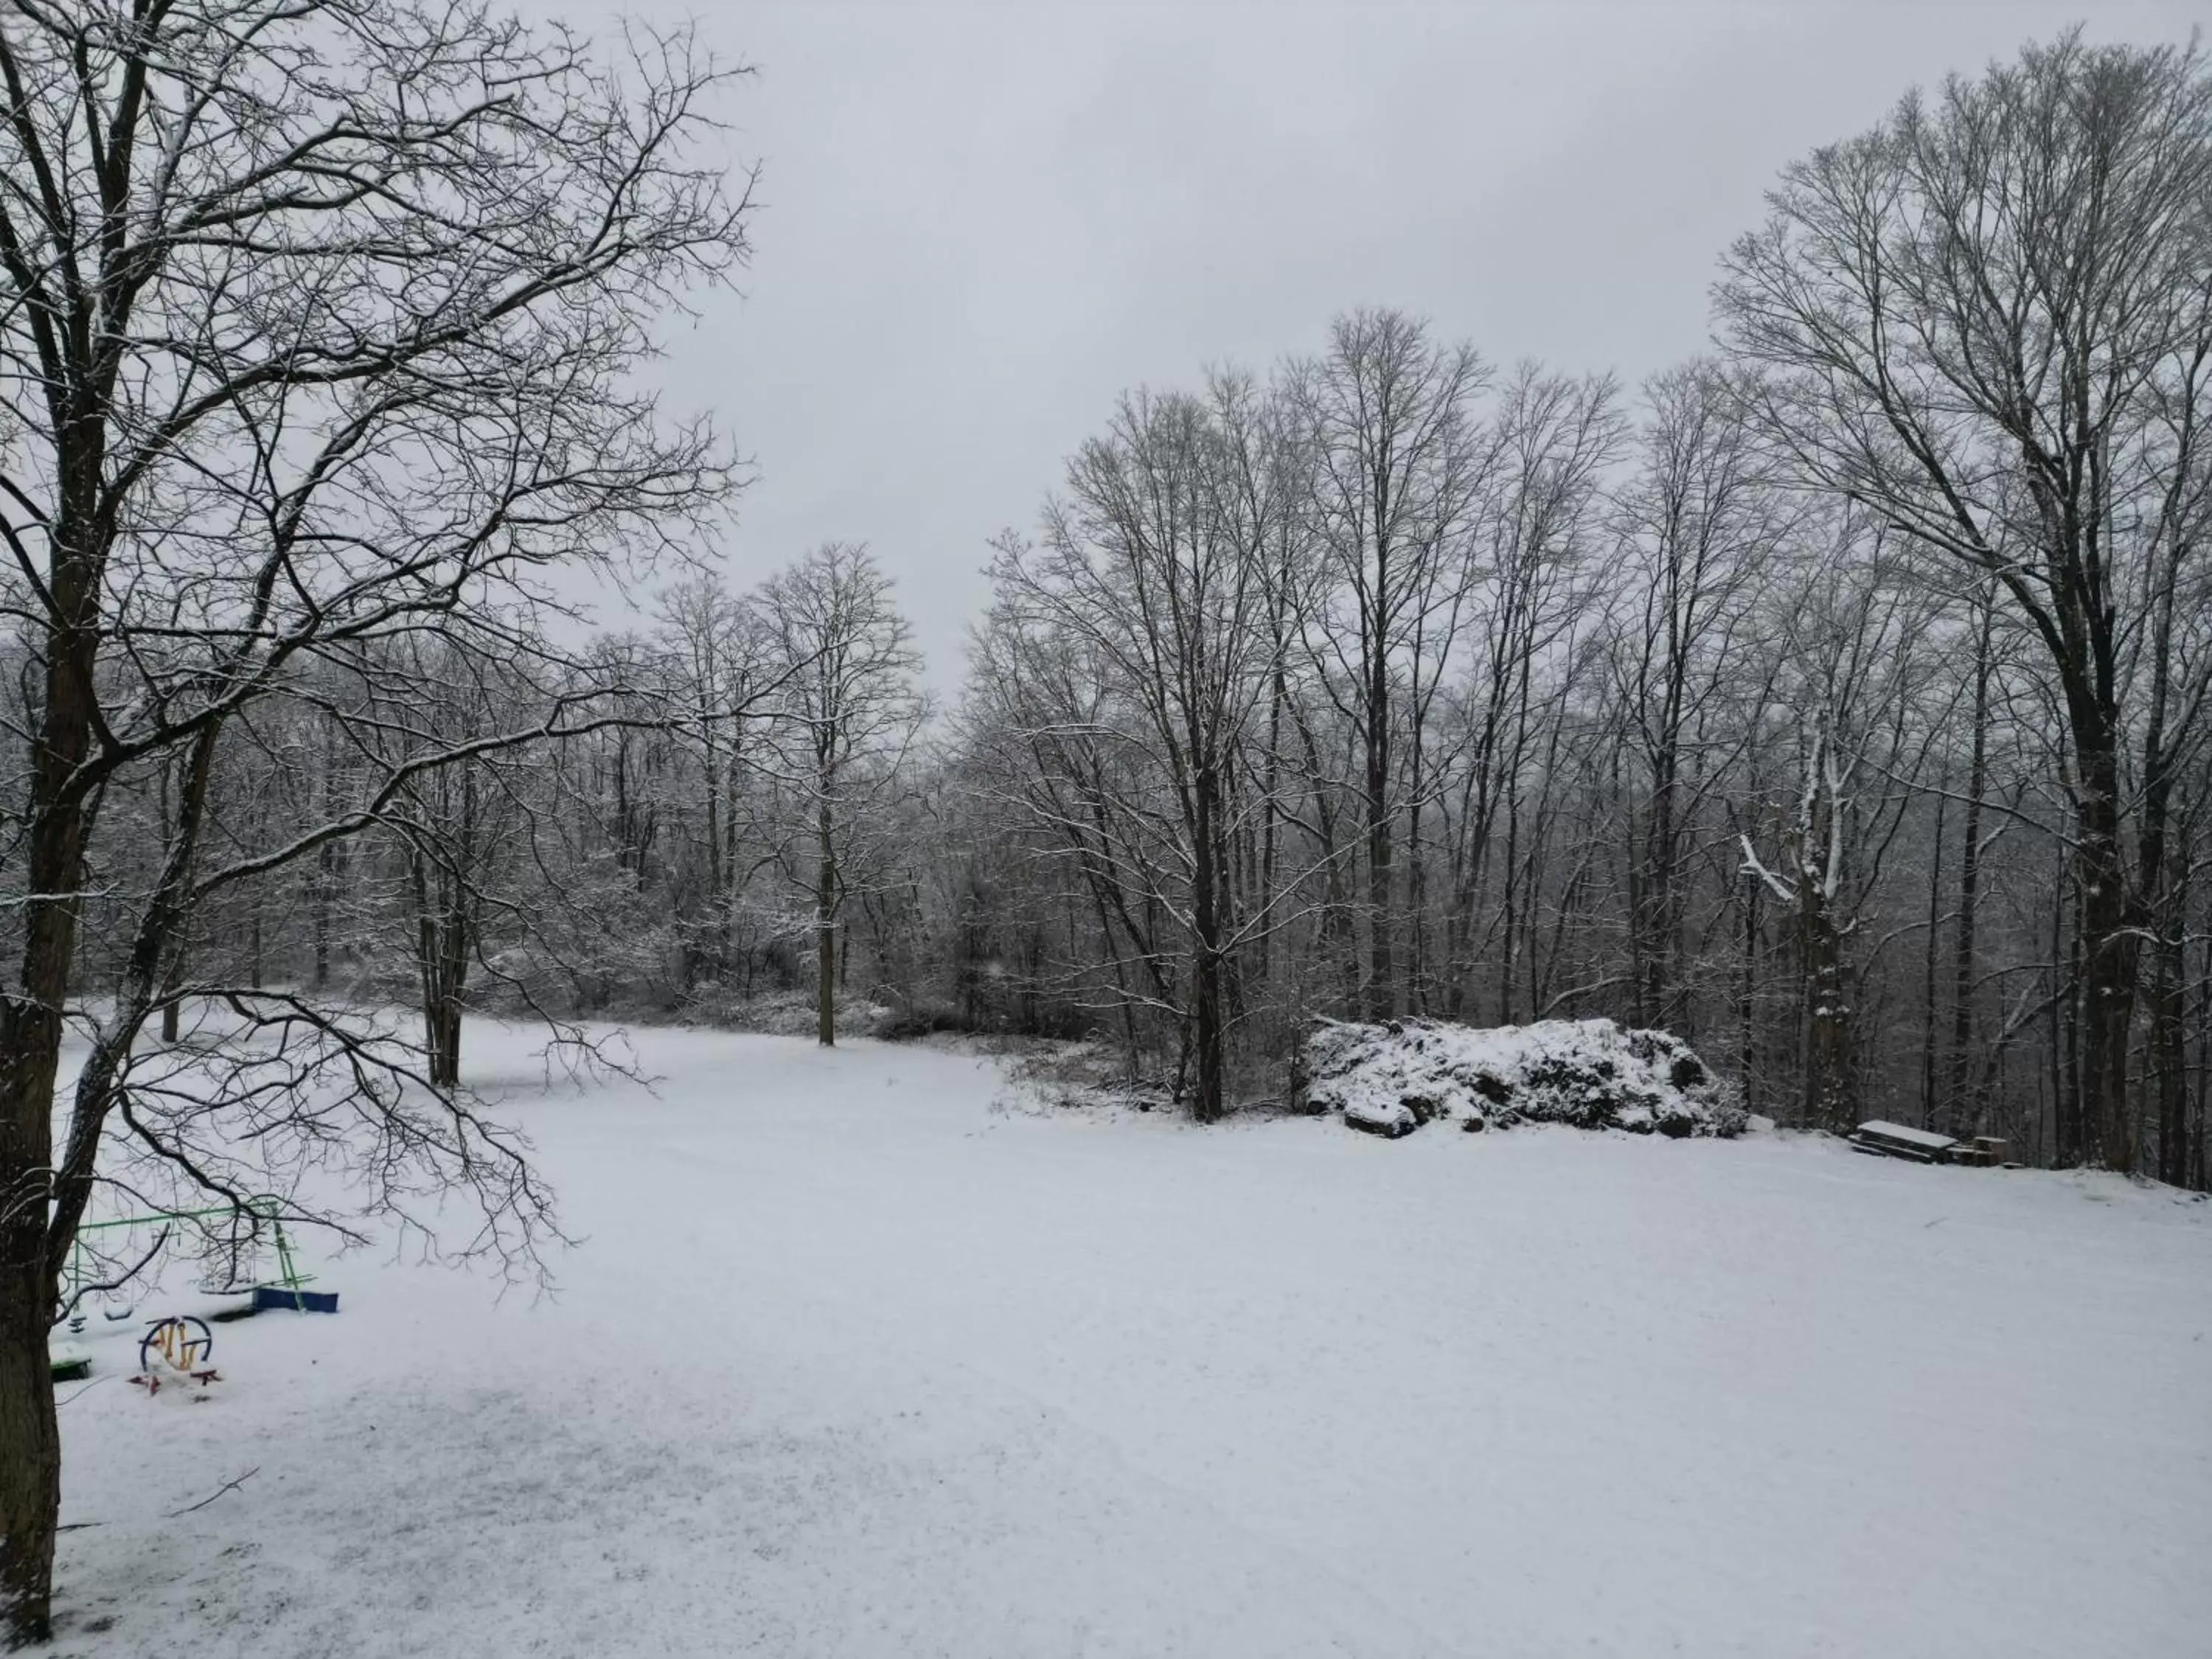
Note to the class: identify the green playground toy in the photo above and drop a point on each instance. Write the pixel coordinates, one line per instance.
(288, 1290)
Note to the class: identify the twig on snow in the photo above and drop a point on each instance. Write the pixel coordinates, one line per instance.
(227, 1485)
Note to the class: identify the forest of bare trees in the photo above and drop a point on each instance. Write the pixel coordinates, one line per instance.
(1835, 701)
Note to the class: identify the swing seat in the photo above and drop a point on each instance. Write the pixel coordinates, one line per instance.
(279, 1298)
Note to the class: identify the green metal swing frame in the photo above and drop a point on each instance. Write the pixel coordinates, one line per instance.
(264, 1208)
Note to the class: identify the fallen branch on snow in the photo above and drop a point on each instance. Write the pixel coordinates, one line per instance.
(227, 1485)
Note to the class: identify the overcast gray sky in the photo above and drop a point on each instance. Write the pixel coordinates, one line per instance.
(982, 221)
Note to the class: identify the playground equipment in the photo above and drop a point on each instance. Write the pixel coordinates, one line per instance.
(236, 1231)
(106, 1254)
(183, 1344)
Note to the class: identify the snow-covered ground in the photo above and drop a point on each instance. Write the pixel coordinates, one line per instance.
(852, 1363)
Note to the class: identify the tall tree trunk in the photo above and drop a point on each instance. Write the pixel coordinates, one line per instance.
(1510, 874)
(1381, 979)
(1417, 900)
(1206, 965)
(2112, 945)
(2199, 1176)
(727, 898)
(825, 926)
(2169, 1019)
(442, 944)
(30, 1039)
(324, 886)
(717, 903)
(1334, 943)
(1962, 1113)
(1651, 903)
(1271, 805)
(2066, 1131)
(1747, 1002)
(1931, 1109)
(30, 1438)
(172, 1011)
(1827, 1015)
(446, 1041)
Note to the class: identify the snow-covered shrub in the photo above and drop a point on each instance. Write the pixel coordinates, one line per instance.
(1390, 1078)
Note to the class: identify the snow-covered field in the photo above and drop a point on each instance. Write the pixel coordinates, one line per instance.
(852, 1363)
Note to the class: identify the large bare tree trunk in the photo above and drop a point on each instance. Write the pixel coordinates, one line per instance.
(30, 1045)
(1381, 979)
(441, 960)
(1747, 1001)
(1931, 1107)
(2199, 1177)
(1208, 1031)
(1827, 1015)
(825, 925)
(30, 1438)
(2111, 946)
(2169, 1020)
(1510, 932)
(1961, 1113)
(1652, 903)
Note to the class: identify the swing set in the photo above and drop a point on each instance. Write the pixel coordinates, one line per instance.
(288, 1290)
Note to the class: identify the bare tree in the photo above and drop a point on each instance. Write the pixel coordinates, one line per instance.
(454, 826)
(1853, 669)
(1987, 319)
(848, 714)
(1556, 435)
(1146, 608)
(719, 650)
(1700, 528)
(1959, 1109)
(1390, 419)
(315, 331)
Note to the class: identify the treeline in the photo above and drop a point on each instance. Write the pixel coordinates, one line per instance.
(1835, 701)
(469, 816)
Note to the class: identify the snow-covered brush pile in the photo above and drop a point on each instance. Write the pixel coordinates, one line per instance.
(1391, 1078)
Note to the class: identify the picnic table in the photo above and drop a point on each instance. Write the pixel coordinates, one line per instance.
(1884, 1140)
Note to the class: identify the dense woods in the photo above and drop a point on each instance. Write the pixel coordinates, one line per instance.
(1835, 701)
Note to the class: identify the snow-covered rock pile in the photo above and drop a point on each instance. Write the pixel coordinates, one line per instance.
(1391, 1078)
